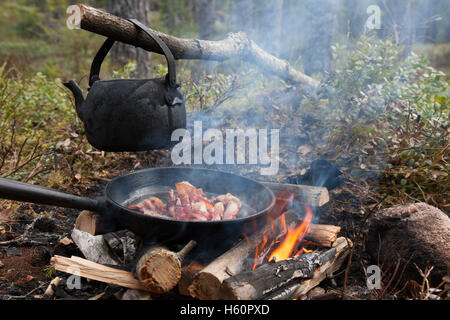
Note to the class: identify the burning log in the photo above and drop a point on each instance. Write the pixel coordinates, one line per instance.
(282, 279)
(95, 271)
(235, 46)
(159, 269)
(207, 283)
(322, 234)
(296, 289)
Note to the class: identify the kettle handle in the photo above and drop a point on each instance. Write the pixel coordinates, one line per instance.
(107, 45)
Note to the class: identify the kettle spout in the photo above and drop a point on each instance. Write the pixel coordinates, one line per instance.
(78, 94)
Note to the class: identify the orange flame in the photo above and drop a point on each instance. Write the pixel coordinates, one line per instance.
(258, 251)
(294, 236)
(281, 202)
(302, 250)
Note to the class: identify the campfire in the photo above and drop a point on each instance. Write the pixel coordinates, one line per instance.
(284, 259)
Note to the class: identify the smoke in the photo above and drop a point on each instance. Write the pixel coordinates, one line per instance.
(305, 35)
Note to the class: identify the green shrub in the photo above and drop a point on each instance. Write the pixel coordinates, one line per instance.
(41, 138)
(390, 113)
(437, 54)
(33, 111)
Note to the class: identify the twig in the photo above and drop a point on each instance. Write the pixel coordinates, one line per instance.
(29, 293)
(425, 282)
(382, 294)
(23, 239)
(349, 263)
(359, 237)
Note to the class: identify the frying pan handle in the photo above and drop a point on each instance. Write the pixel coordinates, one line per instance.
(19, 191)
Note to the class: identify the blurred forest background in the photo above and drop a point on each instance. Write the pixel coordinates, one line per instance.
(34, 36)
(383, 108)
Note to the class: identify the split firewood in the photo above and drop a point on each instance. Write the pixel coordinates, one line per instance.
(207, 282)
(89, 222)
(236, 45)
(95, 271)
(313, 196)
(93, 248)
(159, 269)
(308, 270)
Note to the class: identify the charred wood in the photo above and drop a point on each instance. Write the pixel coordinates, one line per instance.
(286, 279)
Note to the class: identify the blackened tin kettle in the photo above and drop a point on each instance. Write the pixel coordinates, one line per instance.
(130, 115)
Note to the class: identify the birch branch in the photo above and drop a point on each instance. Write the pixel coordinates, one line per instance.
(236, 45)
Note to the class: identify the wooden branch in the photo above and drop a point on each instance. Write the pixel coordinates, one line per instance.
(95, 271)
(159, 269)
(49, 292)
(236, 45)
(269, 277)
(310, 195)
